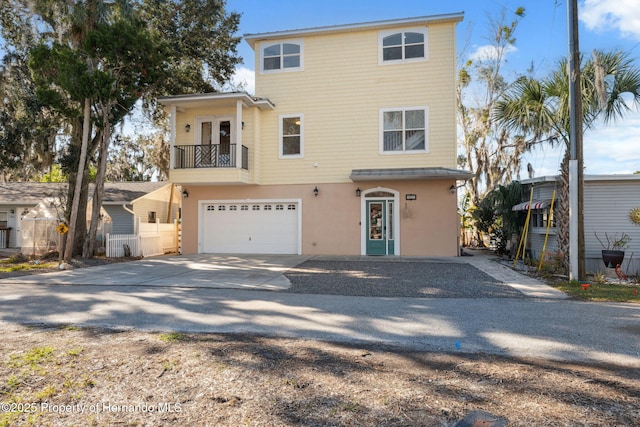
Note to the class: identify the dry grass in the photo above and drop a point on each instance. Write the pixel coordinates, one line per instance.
(20, 265)
(232, 380)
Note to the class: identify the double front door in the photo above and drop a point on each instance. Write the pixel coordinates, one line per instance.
(380, 232)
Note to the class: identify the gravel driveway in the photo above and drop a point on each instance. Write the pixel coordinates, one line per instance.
(396, 279)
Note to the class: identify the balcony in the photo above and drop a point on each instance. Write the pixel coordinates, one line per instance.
(209, 156)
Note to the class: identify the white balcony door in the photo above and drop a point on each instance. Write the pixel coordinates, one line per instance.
(215, 136)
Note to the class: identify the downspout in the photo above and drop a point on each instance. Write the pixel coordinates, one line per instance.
(170, 204)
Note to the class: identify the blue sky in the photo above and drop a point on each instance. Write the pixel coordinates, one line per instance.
(541, 41)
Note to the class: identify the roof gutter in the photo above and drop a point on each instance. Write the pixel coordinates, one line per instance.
(433, 19)
(248, 100)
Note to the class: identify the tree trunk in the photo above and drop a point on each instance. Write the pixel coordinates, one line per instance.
(90, 242)
(77, 194)
(561, 211)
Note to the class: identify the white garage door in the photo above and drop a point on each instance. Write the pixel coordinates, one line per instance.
(250, 228)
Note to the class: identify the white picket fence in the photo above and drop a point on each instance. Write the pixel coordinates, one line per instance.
(151, 239)
(138, 245)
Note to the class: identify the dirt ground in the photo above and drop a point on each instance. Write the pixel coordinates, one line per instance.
(62, 376)
(70, 376)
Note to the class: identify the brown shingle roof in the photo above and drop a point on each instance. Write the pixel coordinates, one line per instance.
(17, 193)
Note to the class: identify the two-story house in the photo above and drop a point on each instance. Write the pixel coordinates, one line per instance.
(348, 147)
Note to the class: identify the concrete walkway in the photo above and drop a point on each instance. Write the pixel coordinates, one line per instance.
(207, 293)
(525, 284)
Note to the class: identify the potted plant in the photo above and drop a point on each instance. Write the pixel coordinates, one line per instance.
(613, 250)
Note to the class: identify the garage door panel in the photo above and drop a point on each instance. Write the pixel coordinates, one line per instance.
(270, 227)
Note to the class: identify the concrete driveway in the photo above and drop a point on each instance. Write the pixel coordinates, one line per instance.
(263, 272)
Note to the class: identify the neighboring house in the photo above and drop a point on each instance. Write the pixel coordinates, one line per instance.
(348, 148)
(17, 199)
(122, 201)
(608, 199)
(149, 201)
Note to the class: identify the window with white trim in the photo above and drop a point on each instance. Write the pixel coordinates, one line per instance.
(404, 130)
(281, 56)
(409, 45)
(291, 136)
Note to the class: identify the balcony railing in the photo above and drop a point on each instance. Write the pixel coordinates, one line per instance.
(209, 156)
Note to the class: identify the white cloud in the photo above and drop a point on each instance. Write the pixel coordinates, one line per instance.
(614, 148)
(607, 149)
(488, 52)
(246, 79)
(607, 15)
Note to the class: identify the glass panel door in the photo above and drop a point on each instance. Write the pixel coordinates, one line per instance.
(225, 137)
(224, 143)
(206, 155)
(376, 228)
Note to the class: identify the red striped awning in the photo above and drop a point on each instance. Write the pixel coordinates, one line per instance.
(535, 204)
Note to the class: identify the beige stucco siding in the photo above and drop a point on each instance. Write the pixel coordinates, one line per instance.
(331, 222)
(429, 224)
(341, 91)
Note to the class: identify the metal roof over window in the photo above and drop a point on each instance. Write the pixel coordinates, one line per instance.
(409, 173)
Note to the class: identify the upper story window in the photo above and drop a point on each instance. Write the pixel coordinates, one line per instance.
(403, 46)
(282, 56)
(291, 136)
(404, 130)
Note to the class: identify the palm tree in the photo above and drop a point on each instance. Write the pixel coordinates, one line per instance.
(539, 111)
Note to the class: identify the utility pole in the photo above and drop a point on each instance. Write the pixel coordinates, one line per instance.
(576, 163)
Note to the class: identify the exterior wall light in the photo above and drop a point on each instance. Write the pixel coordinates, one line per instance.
(185, 193)
(452, 189)
(358, 192)
(316, 191)
(187, 127)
